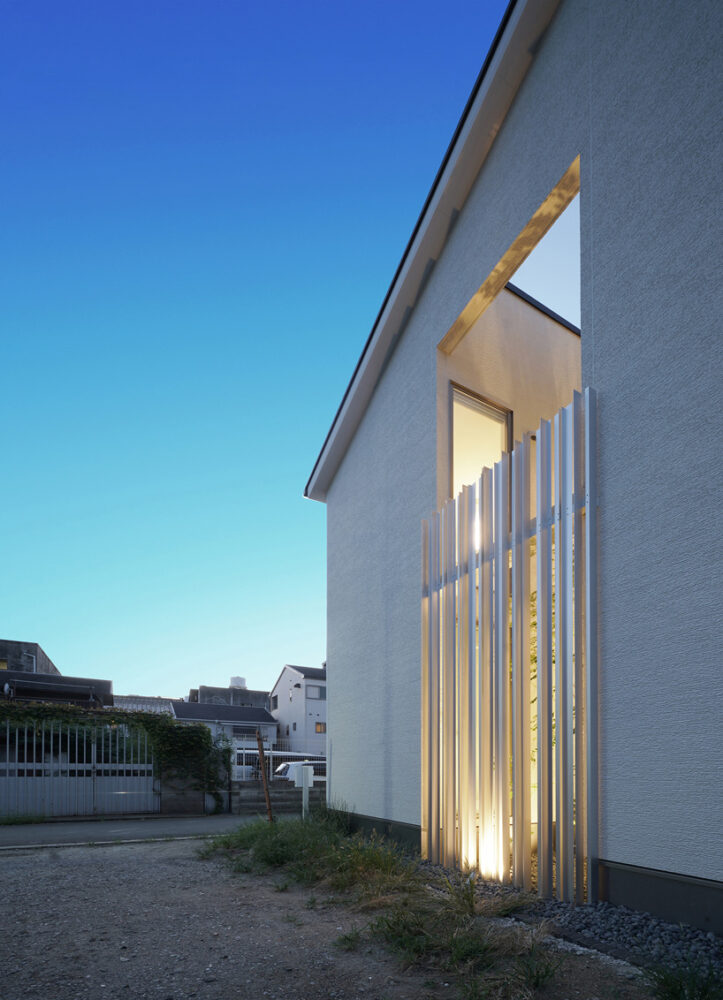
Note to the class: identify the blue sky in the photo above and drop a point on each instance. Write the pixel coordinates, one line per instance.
(202, 207)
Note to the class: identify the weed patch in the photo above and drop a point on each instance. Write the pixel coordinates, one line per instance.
(319, 851)
(428, 918)
(22, 819)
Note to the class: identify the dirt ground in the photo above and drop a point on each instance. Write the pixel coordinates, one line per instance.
(153, 920)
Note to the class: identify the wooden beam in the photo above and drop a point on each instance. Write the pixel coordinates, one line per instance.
(549, 211)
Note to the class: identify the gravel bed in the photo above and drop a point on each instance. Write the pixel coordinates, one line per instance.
(637, 937)
(640, 937)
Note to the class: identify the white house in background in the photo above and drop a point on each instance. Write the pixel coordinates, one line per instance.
(298, 704)
(238, 723)
(619, 103)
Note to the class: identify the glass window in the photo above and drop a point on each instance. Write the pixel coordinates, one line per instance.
(321, 727)
(316, 692)
(480, 435)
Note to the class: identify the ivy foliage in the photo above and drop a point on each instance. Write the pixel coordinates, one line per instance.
(180, 749)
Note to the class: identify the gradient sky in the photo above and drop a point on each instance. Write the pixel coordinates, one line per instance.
(203, 204)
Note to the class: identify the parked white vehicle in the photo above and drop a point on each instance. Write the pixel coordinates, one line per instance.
(288, 770)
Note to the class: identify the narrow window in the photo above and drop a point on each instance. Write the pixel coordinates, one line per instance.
(481, 432)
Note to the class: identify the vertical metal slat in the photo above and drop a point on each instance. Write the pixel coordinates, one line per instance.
(434, 692)
(578, 482)
(425, 730)
(591, 641)
(502, 678)
(544, 660)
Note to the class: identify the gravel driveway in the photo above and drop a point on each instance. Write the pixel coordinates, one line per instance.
(154, 921)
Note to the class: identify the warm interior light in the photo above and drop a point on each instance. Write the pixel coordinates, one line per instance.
(479, 437)
(487, 852)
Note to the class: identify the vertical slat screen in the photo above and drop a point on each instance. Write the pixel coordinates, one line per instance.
(495, 737)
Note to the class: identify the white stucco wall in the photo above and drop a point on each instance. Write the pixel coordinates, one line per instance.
(633, 89)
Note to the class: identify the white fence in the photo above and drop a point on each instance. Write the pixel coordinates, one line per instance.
(245, 762)
(509, 730)
(61, 769)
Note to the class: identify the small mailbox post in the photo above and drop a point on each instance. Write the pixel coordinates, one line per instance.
(304, 779)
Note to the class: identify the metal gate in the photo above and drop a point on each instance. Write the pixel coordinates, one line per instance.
(509, 666)
(53, 768)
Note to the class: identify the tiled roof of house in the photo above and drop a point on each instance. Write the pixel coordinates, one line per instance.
(143, 703)
(191, 711)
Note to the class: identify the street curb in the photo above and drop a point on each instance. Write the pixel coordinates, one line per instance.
(104, 843)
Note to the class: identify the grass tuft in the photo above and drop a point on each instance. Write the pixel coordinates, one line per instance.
(349, 941)
(461, 893)
(467, 946)
(691, 983)
(536, 967)
(405, 932)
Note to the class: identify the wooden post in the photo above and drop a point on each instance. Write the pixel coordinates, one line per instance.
(264, 777)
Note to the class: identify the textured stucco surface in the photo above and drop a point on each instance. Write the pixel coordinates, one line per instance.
(634, 89)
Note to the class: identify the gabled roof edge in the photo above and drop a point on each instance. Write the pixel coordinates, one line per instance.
(312, 489)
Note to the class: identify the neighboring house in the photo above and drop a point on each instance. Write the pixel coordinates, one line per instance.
(619, 102)
(143, 703)
(27, 657)
(235, 694)
(237, 723)
(28, 674)
(19, 685)
(298, 703)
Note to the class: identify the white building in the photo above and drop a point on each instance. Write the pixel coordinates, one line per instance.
(620, 104)
(298, 704)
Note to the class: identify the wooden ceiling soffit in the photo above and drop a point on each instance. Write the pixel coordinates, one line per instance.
(549, 211)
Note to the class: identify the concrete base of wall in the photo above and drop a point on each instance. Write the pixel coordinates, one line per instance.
(671, 897)
(406, 834)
